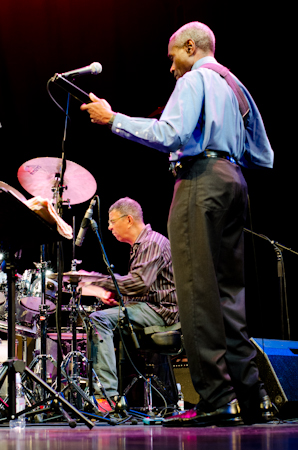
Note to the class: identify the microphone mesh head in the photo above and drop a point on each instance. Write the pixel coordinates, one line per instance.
(96, 68)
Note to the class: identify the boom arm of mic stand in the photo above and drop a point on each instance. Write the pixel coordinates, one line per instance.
(94, 227)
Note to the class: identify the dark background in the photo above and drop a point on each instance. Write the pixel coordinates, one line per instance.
(255, 40)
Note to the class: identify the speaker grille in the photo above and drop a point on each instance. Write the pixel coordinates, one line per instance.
(277, 362)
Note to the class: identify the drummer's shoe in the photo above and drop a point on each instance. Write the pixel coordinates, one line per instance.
(105, 405)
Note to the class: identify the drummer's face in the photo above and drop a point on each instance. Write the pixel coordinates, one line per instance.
(118, 225)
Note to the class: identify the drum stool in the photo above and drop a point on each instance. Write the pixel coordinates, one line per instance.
(160, 340)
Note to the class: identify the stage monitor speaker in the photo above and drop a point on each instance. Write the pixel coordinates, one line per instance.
(277, 361)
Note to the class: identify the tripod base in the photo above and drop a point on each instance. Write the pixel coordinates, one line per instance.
(11, 366)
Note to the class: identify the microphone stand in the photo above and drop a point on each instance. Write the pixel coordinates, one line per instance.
(121, 405)
(278, 248)
(58, 195)
(59, 208)
(94, 227)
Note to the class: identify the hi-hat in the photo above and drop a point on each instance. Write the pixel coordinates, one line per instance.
(39, 177)
(13, 191)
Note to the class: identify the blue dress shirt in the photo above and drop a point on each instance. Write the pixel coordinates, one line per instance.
(202, 113)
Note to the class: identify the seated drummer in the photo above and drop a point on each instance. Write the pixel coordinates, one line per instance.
(148, 289)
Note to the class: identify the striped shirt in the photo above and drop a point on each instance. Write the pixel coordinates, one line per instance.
(150, 277)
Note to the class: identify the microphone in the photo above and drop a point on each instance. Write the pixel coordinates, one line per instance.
(85, 224)
(94, 69)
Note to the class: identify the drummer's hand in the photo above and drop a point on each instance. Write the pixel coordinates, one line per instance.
(99, 110)
(90, 289)
(110, 301)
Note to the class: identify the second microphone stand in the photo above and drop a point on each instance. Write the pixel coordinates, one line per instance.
(121, 405)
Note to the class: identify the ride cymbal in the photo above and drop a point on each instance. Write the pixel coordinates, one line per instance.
(40, 177)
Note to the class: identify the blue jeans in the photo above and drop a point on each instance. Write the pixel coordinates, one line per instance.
(102, 345)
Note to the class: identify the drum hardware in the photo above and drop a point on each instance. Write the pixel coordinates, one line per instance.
(13, 238)
(43, 314)
(25, 318)
(75, 381)
(77, 395)
(42, 177)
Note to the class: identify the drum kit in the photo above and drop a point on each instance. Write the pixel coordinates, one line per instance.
(36, 293)
(40, 177)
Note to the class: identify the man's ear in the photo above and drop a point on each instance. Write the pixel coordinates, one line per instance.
(190, 47)
(130, 220)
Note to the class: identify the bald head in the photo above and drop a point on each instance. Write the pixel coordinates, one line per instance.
(198, 32)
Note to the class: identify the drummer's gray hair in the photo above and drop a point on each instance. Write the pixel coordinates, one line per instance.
(128, 206)
(200, 33)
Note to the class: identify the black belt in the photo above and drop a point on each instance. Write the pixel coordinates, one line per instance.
(175, 166)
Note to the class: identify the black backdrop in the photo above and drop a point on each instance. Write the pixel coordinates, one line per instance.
(39, 38)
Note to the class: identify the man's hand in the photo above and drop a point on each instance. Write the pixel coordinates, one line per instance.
(100, 111)
(105, 296)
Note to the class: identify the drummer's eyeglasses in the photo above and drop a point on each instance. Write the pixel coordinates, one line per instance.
(112, 221)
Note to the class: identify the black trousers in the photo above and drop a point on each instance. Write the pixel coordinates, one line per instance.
(205, 228)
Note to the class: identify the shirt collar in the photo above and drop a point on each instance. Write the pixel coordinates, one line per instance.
(143, 234)
(205, 60)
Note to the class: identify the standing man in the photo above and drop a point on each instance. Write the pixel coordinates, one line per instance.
(148, 289)
(205, 132)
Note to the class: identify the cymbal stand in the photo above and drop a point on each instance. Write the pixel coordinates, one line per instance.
(74, 380)
(43, 313)
(58, 191)
(74, 313)
(43, 357)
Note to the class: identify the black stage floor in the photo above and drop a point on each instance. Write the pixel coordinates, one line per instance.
(277, 436)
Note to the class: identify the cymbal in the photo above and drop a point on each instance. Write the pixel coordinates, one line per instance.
(39, 177)
(13, 191)
(75, 276)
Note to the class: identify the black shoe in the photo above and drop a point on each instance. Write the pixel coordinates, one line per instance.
(258, 411)
(226, 415)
